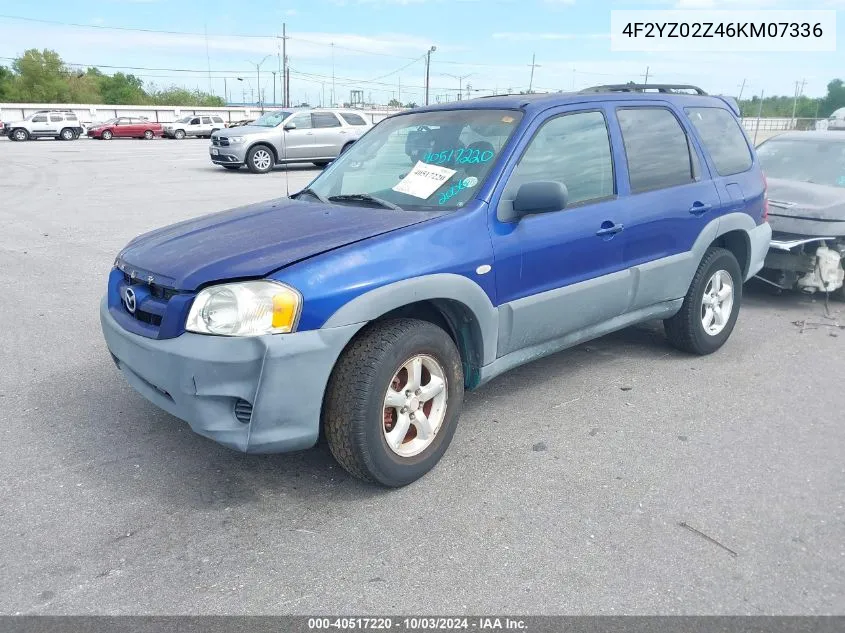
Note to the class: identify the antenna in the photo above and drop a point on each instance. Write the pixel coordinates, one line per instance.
(285, 159)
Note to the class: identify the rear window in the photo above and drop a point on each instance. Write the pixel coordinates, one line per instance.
(71, 117)
(724, 141)
(217, 119)
(656, 147)
(353, 119)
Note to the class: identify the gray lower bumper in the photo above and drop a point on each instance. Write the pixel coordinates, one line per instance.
(199, 379)
(759, 238)
(227, 156)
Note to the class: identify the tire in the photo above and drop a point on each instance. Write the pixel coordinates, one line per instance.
(148, 135)
(213, 131)
(106, 135)
(179, 135)
(66, 134)
(346, 147)
(355, 419)
(322, 163)
(232, 167)
(686, 330)
(260, 159)
(19, 134)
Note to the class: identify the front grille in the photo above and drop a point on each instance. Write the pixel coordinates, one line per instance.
(148, 317)
(220, 141)
(243, 411)
(159, 292)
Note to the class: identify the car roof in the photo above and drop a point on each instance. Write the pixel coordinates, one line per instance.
(532, 103)
(811, 135)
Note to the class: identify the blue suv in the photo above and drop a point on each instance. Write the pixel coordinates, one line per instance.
(448, 245)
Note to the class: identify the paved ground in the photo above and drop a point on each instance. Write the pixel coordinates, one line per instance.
(561, 493)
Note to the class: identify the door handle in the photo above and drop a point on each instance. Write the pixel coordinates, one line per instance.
(698, 208)
(609, 228)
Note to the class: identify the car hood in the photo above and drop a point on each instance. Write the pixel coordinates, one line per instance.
(255, 240)
(794, 198)
(243, 130)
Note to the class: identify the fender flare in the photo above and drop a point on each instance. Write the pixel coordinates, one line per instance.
(375, 303)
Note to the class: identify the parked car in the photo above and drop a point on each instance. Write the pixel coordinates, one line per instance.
(836, 121)
(240, 123)
(806, 174)
(450, 244)
(58, 124)
(288, 136)
(125, 127)
(194, 125)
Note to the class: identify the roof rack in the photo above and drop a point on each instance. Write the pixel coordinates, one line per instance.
(632, 87)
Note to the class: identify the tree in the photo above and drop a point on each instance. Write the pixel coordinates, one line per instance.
(411, 104)
(835, 98)
(122, 89)
(393, 103)
(41, 76)
(7, 79)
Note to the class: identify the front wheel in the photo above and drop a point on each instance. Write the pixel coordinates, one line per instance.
(19, 134)
(711, 307)
(148, 135)
(393, 401)
(179, 135)
(260, 159)
(106, 135)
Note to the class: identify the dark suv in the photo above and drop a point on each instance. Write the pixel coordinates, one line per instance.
(446, 246)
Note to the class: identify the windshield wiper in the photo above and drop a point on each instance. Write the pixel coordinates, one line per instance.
(364, 197)
(309, 191)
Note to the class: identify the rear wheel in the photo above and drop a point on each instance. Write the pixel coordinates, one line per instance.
(260, 159)
(19, 134)
(322, 163)
(179, 134)
(148, 135)
(710, 309)
(106, 135)
(393, 401)
(67, 134)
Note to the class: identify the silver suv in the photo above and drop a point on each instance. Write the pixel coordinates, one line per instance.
(194, 125)
(58, 124)
(288, 136)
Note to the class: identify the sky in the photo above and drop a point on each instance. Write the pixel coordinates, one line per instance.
(379, 46)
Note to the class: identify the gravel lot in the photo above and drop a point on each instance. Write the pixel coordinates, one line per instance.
(562, 492)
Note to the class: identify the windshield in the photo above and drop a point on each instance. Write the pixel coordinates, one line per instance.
(819, 162)
(421, 161)
(107, 122)
(184, 119)
(271, 119)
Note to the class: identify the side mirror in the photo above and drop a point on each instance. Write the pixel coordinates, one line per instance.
(540, 196)
(290, 125)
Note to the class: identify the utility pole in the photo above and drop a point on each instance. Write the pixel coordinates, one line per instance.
(759, 114)
(398, 91)
(287, 88)
(573, 80)
(274, 86)
(741, 88)
(795, 101)
(428, 70)
(646, 75)
(208, 61)
(533, 66)
(333, 97)
(285, 65)
(225, 91)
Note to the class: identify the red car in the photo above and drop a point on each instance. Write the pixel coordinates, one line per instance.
(128, 127)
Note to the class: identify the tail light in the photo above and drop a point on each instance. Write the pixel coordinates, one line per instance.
(765, 217)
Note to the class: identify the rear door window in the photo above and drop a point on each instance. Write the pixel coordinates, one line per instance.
(56, 118)
(723, 139)
(206, 120)
(656, 147)
(217, 119)
(324, 119)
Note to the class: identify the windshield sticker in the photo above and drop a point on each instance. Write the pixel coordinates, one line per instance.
(507, 119)
(470, 182)
(423, 180)
(459, 156)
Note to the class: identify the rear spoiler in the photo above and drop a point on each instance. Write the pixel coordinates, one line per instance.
(731, 103)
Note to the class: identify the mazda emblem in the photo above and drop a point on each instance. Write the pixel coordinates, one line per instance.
(129, 300)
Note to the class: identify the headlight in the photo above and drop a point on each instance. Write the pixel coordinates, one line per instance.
(249, 308)
(236, 140)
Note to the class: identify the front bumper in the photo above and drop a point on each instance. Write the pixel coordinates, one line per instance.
(759, 238)
(200, 379)
(227, 155)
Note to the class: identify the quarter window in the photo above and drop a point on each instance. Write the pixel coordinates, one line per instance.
(573, 149)
(56, 118)
(724, 141)
(217, 119)
(353, 119)
(324, 119)
(656, 147)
